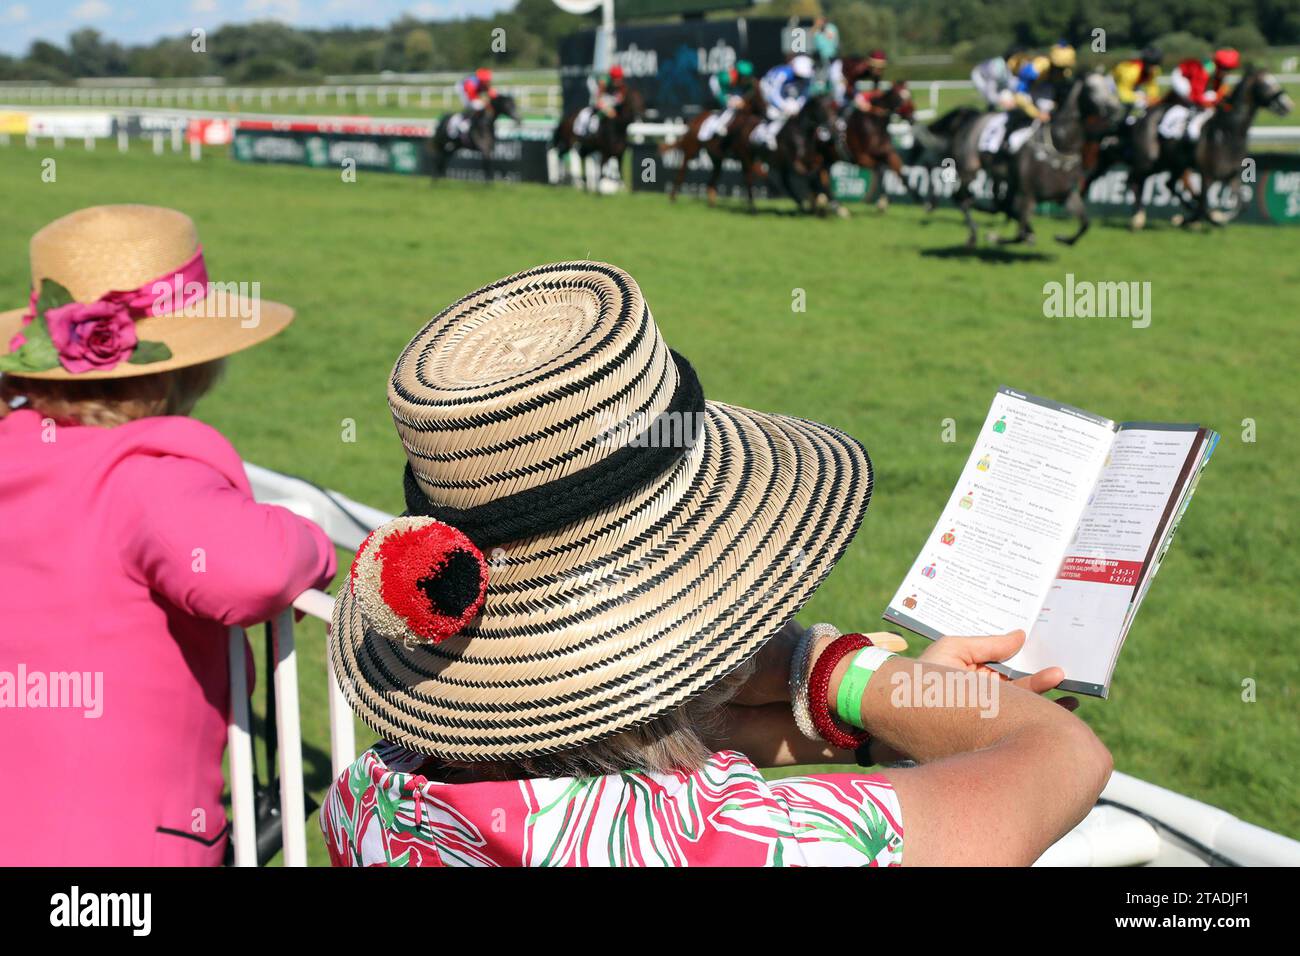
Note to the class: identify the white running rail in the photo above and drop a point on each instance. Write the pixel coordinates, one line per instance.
(1133, 826)
(326, 510)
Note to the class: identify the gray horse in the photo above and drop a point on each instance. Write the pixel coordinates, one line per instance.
(1217, 155)
(1046, 168)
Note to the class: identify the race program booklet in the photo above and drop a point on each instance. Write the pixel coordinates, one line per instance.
(1057, 526)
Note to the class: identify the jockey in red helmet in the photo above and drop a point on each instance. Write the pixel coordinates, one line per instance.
(607, 95)
(476, 89)
(1196, 88)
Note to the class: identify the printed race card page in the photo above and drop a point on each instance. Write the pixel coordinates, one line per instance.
(1057, 525)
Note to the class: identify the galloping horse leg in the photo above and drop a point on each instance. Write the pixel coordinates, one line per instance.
(1187, 197)
(750, 172)
(876, 194)
(965, 200)
(896, 167)
(715, 157)
(690, 148)
(1020, 209)
(1203, 210)
(788, 184)
(1075, 205)
(486, 149)
(1138, 184)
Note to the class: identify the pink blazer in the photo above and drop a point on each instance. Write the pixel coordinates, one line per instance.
(124, 554)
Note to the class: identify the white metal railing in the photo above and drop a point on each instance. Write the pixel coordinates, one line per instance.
(543, 96)
(293, 821)
(1135, 824)
(443, 89)
(345, 522)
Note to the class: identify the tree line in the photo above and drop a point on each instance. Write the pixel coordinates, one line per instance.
(527, 36)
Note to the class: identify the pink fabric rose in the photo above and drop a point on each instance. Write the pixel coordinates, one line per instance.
(91, 336)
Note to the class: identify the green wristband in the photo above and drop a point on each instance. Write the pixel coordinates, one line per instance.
(863, 666)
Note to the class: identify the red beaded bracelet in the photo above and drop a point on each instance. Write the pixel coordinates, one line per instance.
(819, 684)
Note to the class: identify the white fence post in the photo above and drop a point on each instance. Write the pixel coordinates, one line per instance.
(293, 823)
(239, 744)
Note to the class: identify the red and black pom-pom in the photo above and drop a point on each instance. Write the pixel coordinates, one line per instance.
(419, 579)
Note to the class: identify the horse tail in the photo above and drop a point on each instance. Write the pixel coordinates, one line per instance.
(557, 135)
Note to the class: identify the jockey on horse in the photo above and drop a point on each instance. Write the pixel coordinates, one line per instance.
(1135, 80)
(1041, 83)
(607, 94)
(1196, 86)
(472, 126)
(476, 94)
(785, 91)
(601, 129)
(734, 90)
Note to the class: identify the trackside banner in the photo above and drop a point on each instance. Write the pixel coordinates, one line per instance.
(1273, 197)
(393, 148)
(670, 63)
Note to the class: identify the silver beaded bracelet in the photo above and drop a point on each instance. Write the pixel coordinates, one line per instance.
(801, 665)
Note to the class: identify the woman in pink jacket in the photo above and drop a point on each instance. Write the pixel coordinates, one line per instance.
(129, 542)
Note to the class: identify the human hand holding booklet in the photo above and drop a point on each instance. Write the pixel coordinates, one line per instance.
(1057, 526)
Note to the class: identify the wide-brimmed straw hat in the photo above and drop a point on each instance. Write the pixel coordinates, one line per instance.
(143, 302)
(638, 542)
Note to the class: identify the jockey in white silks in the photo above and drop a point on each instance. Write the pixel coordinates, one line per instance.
(995, 79)
(785, 90)
(1039, 84)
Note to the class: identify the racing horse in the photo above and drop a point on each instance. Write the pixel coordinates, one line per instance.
(608, 140)
(1217, 155)
(717, 147)
(476, 131)
(1047, 167)
(861, 136)
(795, 156)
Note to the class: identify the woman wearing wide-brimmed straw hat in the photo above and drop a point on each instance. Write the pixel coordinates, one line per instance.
(129, 540)
(578, 644)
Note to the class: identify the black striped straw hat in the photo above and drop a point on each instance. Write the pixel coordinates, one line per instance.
(588, 543)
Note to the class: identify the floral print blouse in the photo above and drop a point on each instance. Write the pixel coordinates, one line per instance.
(381, 813)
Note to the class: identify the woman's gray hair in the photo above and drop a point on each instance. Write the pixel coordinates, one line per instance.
(675, 741)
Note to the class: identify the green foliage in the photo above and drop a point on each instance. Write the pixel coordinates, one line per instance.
(146, 353)
(1181, 46)
(269, 51)
(1245, 38)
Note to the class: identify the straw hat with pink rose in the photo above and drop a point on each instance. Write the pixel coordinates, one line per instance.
(121, 291)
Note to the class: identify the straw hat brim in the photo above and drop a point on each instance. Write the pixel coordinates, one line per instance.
(192, 339)
(600, 626)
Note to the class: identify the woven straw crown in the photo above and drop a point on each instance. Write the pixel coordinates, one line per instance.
(528, 380)
(618, 616)
(107, 248)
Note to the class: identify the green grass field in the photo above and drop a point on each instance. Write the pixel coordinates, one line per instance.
(901, 332)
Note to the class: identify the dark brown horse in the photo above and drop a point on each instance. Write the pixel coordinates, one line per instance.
(794, 158)
(718, 146)
(862, 137)
(479, 134)
(858, 69)
(608, 140)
